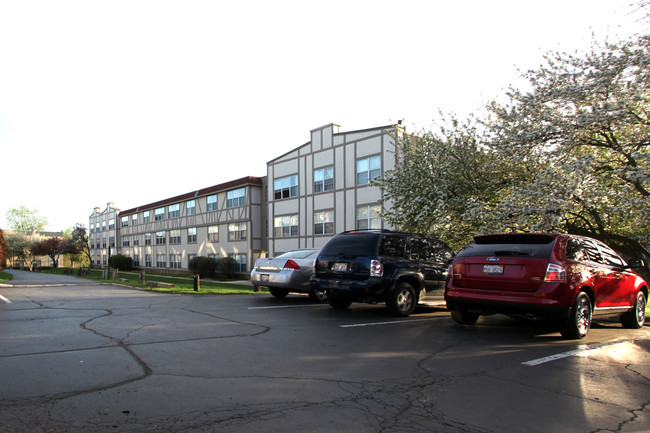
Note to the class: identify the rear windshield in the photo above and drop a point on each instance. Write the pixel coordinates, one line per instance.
(297, 254)
(518, 246)
(352, 244)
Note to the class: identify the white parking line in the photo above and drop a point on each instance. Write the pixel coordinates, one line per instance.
(581, 351)
(392, 322)
(5, 299)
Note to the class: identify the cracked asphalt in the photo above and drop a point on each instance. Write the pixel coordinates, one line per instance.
(77, 356)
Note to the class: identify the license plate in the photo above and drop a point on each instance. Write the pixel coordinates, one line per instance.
(264, 277)
(340, 267)
(493, 269)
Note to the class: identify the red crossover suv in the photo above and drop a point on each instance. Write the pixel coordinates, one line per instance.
(563, 277)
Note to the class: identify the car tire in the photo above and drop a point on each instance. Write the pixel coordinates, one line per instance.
(278, 293)
(339, 302)
(401, 301)
(318, 295)
(464, 317)
(635, 318)
(579, 318)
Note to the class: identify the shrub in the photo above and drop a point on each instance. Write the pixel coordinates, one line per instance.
(227, 266)
(118, 261)
(204, 266)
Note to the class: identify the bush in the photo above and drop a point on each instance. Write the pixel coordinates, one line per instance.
(227, 266)
(118, 261)
(204, 266)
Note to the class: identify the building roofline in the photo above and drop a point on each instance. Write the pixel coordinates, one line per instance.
(248, 180)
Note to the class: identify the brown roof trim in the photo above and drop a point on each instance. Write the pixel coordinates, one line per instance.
(248, 180)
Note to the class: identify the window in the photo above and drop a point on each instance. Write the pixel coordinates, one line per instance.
(159, 214)
(324, 179)
(286, 187)
(324, 222)
(103, 242)
(125, 241)
(174, 210)
(160, 261)
(136, 260)
(392, 246)
(285, 226)
(212, 203)
(125, 221)
(111, 224)
(368, 217)
(236, 231)
(213, 234)
(190, 257)
(368, 169)
(160, 238)
(146, 217)
(147, 238)
(134, 219)
(111, 241)
(175, 261)
(191, 235)
(242, 265)
(236, 197)
(136, 240)
(191, 207)
(147, 260)
(174, 237)
(103, 226)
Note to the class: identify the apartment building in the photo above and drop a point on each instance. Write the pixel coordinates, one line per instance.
(310, 193)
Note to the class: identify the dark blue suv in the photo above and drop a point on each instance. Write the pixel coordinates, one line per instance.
(400, 269)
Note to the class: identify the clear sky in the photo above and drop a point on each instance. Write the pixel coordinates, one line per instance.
(139, 100)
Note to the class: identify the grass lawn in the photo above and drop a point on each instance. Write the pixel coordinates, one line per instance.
(4, 276)
(183, 284)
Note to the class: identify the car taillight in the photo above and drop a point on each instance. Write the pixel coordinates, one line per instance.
(291, 266)
(457, 270)
(376, 268)
(555, 274)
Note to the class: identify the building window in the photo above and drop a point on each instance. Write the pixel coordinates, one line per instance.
(324, 179)
(213, 234)
(125, 221)
(103, 226)
(147, 260)
(146, 217)
(324, 223)
(286, 187)
(174, 237)
(191, 235)
(111, 224)
(236, 231)
(136, 240)
(212, 203)
(242, 265)
(191, 207)
(190, 257)
(111, 241)
(103, 242)
(160, 261)
(125, 241)
(134, 220)
(174, 210)
(236, 197)
(285, 226)
(136, 260)
(368, 169)
(160, 238)
(175, 261)
(159, 214)
(368, 217)
(147, 238)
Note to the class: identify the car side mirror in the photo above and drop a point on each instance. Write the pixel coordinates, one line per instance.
(636, 264)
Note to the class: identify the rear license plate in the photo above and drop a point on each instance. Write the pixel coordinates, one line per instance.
(264, 277)
(340, 267)
(493, 269)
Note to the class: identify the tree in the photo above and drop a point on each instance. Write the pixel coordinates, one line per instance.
(19, 247)
(79, 239)
(3, 250)
(25, 220)
(121, 262)
(48, 247)
(68, 247)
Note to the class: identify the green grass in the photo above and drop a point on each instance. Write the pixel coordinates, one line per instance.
(4, 276)
(183, 284)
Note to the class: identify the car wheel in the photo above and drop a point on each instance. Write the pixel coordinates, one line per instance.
(464, 317)
(401, 301)
(579, 319)
(318, 295)
(339, 302)
(635, 318)
(278, 293)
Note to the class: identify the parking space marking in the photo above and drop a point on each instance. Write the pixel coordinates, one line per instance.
(5, 299)
(283, 306)
(392, 322)
(584, 349)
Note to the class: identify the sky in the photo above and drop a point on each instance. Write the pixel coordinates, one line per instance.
(136, 101)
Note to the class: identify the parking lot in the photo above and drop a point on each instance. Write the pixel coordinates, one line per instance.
(77, 356)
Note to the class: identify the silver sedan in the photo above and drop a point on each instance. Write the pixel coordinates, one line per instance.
(288, 272)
